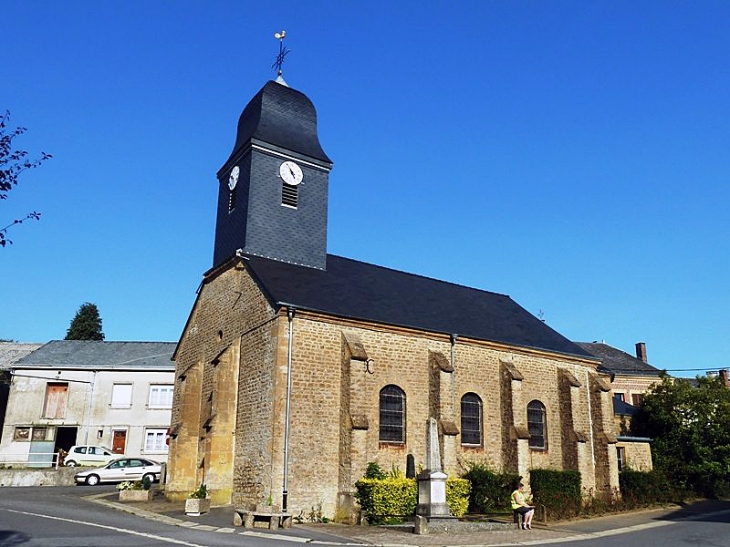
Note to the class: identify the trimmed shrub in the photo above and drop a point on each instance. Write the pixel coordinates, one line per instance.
(641, 489)
(558, 491)
(490, 491)
(387, 500)
(457, 496)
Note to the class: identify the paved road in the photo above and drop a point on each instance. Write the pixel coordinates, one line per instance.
(86, 517)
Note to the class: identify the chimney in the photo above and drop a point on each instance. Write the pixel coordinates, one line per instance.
(724, 377)
(641, 351)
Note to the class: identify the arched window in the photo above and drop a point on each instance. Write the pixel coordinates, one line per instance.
(392, 415)
(536, 425)
(471, 419)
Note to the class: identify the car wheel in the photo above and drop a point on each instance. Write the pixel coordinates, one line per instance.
(92, 480)
(150, 476)
(70, 463)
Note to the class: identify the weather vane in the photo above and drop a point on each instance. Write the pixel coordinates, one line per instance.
(282, 52)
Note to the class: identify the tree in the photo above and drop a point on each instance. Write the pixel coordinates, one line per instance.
(12, 163)
(86, 324)
(690, 425)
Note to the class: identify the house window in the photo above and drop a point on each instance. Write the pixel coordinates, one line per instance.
(289, 195)
(22, 434)
(39, 433)
(471, 419)
(636, 399)
(536, 426)
(392, 415)
(55, 403)
(160, 396)
(121, 395)
(621, 457)
(620, 397)
(155, 441)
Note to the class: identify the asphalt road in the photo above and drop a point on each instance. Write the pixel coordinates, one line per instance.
(63, 517)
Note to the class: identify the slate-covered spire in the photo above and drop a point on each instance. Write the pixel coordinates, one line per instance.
(283, 117)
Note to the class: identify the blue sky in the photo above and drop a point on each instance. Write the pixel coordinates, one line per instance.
(573, 155)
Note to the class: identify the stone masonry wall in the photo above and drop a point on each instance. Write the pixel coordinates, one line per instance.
(229, 308)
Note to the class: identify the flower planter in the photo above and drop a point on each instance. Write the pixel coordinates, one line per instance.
(195, 507)
(135, 495)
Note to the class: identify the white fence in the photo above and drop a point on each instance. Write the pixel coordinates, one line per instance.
(32, 459)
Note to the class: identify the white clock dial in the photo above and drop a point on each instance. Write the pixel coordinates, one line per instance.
(233, 178)
(291, 173)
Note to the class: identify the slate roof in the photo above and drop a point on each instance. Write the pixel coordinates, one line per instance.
(12, 351)
(283, 117)
(617, 361)
(357, 290)
(83, 354)
(622, 408)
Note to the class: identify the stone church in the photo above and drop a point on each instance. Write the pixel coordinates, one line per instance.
(296, 367)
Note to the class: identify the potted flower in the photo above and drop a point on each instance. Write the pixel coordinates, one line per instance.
(198, 502)
(135, 491)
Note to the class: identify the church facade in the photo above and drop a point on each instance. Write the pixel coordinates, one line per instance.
(296, 368)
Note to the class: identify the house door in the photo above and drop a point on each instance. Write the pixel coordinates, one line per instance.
(119, 441)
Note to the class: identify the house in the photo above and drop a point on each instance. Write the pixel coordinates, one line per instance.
(114, 394)
(297, 367)
(10, 352)
(632, 377)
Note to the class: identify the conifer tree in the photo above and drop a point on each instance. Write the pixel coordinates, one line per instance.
(86, 325)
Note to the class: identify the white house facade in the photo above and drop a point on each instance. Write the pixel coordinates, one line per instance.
(68, 392)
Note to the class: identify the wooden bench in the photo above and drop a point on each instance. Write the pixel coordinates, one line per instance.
(274, 520)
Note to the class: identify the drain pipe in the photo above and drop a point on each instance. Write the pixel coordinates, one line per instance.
(590, 422)
(89, 408)
(453, 367)
(285, 493)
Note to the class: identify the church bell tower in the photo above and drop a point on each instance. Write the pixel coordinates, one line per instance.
(272, 196)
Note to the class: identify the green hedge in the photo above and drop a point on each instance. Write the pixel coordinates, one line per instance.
(490, 492)
(392, 498)
(639, 488)
(559, 491)
(457, 496)
(385, 500)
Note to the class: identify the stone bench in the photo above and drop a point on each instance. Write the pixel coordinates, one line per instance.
(272, 519)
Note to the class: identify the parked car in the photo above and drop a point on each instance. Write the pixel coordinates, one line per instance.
(119, 470)
(84, 454)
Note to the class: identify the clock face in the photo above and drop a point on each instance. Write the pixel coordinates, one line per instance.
(291, 173)
(233, 178)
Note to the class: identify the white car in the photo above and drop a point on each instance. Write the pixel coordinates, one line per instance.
(120, 470)
(84, 454)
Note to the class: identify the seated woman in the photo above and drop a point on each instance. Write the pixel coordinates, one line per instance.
(522, 507)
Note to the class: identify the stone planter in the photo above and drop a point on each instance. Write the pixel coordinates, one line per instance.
(135, 495)
(195, 507)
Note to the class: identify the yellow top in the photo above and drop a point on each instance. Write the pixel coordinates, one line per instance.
(518, 499)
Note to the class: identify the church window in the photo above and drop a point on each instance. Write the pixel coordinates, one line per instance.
(471, 419)
(536, 425)
(621, 458)
(232, 200)
(289, 195)
(392, 415)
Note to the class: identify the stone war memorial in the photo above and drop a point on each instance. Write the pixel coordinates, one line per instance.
(297, 367)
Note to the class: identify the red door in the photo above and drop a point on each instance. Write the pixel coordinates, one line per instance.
(119, 441)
